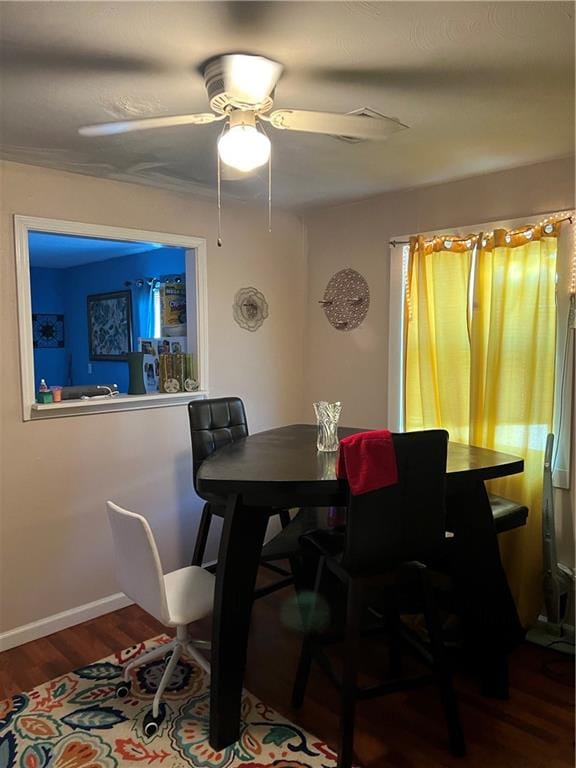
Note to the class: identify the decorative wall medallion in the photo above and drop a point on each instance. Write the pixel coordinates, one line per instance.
(250, 308)
(346, 299)
(48, 331)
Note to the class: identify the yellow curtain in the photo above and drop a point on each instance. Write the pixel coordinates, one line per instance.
(484, 369)
(437, 347)
(512, 384)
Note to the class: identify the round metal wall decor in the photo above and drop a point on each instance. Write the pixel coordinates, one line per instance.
(346, 299)
(250, 308)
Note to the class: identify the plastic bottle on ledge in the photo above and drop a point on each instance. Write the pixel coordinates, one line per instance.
(44, 395)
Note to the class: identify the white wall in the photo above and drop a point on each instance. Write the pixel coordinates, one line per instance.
(55, 548)
(352, 367)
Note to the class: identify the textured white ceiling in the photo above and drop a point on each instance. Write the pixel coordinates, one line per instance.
(482, 85)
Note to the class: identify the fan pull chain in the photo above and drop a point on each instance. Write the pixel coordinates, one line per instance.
(270, 192)
(260, 127)
(219, 240)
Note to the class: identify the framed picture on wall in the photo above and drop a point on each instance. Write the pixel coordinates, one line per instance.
(109, 325)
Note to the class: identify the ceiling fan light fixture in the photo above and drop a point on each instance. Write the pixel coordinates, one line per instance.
(244, 147)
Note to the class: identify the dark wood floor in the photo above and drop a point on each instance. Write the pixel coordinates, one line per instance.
(534, 729)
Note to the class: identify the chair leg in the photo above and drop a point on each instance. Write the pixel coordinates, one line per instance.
(146, 658)
(166, 677)
(349, 687)
(302, 674)
(198, 658)
(306, 654)
(202, 537)
(395, 642)
(442, 670)
(297, 568)
(264, 591)
(200, 644)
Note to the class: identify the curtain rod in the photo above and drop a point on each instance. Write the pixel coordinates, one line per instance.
(394, 243)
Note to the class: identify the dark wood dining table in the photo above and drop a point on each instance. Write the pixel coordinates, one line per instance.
(282, 468)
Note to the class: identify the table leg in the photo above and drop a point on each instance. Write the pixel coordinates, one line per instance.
(238, 559)
(490, 621)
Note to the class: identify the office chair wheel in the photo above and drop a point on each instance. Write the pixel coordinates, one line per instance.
(152, 724)
(122, 689)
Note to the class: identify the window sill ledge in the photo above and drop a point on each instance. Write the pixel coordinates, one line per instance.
(38, 411)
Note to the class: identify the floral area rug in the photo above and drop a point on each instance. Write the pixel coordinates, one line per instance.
(77, 721)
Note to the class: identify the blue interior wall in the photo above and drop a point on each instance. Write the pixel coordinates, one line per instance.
(100, 277)
(48, 298)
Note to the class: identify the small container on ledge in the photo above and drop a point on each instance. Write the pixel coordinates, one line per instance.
(43, 395)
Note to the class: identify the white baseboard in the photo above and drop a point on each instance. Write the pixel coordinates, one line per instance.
(51, 624)
(43, 627)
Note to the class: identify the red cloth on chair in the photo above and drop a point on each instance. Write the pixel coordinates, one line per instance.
(368, 461)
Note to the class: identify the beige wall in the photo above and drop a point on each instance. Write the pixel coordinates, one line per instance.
(55, 548)
(55, 475)
(352, 367)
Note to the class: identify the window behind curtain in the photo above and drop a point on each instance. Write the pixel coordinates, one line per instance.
(480, 360)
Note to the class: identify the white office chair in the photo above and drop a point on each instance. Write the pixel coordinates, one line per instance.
(176, 599)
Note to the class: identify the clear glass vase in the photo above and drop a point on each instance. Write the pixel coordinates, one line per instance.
(327, 416)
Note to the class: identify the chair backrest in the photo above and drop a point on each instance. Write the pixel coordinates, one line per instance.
(405, 521)
(138, 565)
(213, 423)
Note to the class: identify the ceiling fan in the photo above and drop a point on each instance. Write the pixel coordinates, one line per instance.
(241, 92)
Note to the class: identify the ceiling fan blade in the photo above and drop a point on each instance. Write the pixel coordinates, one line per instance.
(249, 80)
(354, 126)
(142, 124)
(245, 16)
(69, 59)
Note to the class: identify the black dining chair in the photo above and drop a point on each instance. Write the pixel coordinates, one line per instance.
(390, 535)
(217, 422)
